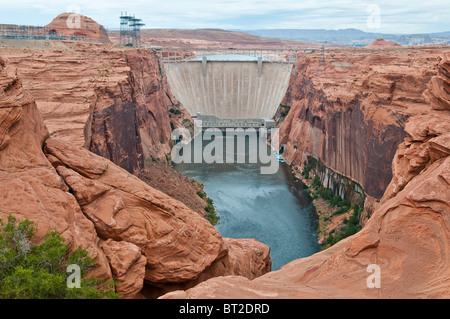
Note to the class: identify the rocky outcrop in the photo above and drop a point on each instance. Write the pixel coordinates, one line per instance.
(137, 235)
(127, 265)
(30, 187)
(79, 26)
(246, 258)
(406, 239)
(177, 243)
(438, 92)
(428, 135)
(352, 115)
(380, 44)
(115, 103)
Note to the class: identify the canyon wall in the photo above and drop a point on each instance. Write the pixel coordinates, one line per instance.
(406, 238)
(351, 116)
(115, 102)
(135, 233)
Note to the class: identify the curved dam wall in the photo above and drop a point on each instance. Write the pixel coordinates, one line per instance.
(230, 89)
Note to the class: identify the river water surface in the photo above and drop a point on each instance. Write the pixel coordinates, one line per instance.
(273, 208)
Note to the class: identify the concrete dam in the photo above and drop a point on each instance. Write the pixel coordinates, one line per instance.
(227, 90)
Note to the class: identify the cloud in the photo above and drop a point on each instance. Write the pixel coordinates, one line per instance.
(398, 16)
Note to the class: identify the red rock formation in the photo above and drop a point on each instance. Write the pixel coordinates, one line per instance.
(351, 116)
(382, 44)
(428, 135)
(438, 92)
(134, 232)
(407, 236)
(30, 186)
(114, 102)
(246, 258)
(77, 25)
(178, 243)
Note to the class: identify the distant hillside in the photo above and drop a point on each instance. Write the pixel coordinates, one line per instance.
(213, 38)
(353, 37)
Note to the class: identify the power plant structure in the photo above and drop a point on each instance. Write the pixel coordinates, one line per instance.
(130, 30)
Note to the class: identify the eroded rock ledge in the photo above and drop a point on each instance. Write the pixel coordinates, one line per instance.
(136, 234)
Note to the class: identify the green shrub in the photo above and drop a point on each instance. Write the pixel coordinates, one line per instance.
(306, 170)
(39, 271)
(350, 227)
(201, 194)
(212, 214)
(175, 111)
(316, 183)
(326, 193)
(209, 209)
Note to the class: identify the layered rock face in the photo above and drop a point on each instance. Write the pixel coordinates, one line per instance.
(428, 135)
(114, 102)
(352, 115)
(77, 25)
(135, 233)
(30, 186)
(406, 239)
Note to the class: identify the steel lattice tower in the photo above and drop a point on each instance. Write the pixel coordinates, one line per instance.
(130, 30)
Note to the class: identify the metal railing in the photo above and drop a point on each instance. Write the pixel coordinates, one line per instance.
(172, 57)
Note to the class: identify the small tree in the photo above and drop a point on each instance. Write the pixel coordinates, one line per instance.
(39, 271)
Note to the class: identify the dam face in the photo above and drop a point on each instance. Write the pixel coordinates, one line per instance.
(230, 89)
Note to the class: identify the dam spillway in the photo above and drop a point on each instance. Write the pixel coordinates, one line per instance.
(231, 87)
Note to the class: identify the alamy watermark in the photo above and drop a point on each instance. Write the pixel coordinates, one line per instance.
(374, 280)
(74, 279)
(374, 19)
(74, 20)
(192, 150)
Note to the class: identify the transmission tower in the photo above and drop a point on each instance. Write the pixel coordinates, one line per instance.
(130, 30)
(322, 62)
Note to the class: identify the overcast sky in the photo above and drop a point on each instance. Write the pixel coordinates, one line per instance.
(384, 16)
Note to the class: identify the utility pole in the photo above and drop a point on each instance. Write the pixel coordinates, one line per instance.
(322, 62)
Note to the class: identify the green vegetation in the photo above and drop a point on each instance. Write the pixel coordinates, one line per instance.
(285, 108)
(327, 194)
(175, 111)
(201, 194)
(350, 227)
(306, 170)
(212, 214)
(39, 271)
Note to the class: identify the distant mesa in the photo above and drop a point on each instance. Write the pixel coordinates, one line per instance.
(382, 44)
(80, 26)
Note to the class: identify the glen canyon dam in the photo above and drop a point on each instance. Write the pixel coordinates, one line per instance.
(229, 85)
(141, 158)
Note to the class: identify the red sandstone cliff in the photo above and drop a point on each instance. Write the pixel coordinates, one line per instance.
(135, 233)
(115, 102)
(352, 115)
(407, 236)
